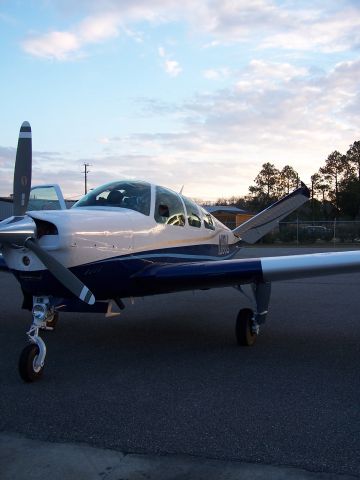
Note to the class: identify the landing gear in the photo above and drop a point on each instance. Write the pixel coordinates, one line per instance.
(246, 328)
(248, 321)
(30, 366)
(32, 358)
(51, 321)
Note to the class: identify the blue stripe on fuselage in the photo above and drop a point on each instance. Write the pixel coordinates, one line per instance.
(110, 277)
(201, 275)
(191, 253)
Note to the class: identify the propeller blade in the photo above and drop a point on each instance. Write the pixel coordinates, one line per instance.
(22, 174)
(61, 273)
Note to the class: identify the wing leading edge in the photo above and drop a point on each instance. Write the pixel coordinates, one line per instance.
(202, 275)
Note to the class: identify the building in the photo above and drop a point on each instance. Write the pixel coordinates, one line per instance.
(6, 207)
(230, 216)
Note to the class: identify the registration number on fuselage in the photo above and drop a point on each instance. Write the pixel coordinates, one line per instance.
(223, 244)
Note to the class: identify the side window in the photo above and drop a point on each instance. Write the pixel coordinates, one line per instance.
(208, 221)
(193, 214)
(168, 208)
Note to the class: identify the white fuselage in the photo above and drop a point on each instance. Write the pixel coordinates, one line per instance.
(95, 234)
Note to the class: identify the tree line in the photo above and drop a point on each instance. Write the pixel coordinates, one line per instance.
(335, 188)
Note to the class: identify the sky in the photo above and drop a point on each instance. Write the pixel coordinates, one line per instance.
(193, 93)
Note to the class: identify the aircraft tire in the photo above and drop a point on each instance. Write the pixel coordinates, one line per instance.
(28, 371)
(244, 335)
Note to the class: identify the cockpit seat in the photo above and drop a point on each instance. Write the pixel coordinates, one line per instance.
(115, 198)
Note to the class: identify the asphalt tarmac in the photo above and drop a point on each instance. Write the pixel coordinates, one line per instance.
(166, 377)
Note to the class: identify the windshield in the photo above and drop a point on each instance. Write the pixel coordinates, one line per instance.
(126, 194)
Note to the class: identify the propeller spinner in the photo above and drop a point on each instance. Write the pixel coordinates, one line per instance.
(20, 230)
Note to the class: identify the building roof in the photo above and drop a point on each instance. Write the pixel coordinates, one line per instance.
(224, 209)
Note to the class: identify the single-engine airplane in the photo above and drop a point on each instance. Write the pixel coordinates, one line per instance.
(131, 238)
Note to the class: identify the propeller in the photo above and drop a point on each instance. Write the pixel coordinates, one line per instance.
(61, 273)
(20, 230)
(22, 172)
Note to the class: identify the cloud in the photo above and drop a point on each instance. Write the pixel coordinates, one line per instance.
(43, 162)
(171, 67)
(329, 28)
(265, 75)
(274, 112)
(161, 51)
(328, 33)
(99, 28)
(101, 22)
(216, 73)
(7, 157)
(287, 111)
(235, 21)
(66, 45)
(56, 45)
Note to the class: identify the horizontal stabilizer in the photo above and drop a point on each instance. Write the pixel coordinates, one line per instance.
(262, 223)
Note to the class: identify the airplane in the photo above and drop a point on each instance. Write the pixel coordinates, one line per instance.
(130, 238)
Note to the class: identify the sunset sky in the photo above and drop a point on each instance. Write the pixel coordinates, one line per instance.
(195, 93)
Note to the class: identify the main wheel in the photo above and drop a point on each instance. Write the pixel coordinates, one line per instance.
(244, 334)
(28, 369)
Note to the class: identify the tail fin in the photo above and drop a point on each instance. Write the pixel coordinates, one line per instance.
(262, 223)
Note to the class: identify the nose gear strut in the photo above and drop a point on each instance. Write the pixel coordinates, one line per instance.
(32, 358)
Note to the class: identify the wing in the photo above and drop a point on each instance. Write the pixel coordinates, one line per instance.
(202, 275)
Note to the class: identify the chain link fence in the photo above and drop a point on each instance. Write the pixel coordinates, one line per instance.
(305, 232)
(320, 232)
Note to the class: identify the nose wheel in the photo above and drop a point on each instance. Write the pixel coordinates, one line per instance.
(32, 358)
(30, 365)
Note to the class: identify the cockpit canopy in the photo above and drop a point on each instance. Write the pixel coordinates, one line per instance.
(135, 195)
(170, 208)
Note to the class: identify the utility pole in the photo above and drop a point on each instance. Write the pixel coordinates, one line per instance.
(86, 171)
